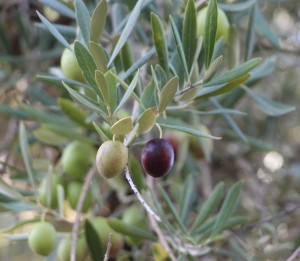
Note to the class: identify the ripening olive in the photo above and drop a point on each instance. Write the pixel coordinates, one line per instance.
(111, 159)
(157, 157)
(42, 238)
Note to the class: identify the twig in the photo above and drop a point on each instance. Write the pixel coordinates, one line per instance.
(109, 245)
(84, 191)
(159, 233)
(139, 196)
(267, 219)
(295, 255)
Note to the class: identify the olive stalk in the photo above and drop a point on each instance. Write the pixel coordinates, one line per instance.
(139, 196)
(82, 197)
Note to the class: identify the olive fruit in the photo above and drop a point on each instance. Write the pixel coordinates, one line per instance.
(70, 67)
(75, 160)
(111, 159)
(65, 247)
(135, 215)
(54, 181)
(73, 194)
(42, 238)
(222, 24)
(103, 231)
(157, 157)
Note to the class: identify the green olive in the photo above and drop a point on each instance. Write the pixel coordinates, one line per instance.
(70, 67)
(42, 238)
(135, 215)
(75, 160)
(103, 231)
(54, 181)
(111, 159)
(65, 247)
(222, 24)
(73, 193)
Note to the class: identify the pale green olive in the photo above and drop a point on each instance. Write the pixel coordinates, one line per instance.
(75, 160)
(111, 159)
(70, 66)
(222, 24)
(42, 238)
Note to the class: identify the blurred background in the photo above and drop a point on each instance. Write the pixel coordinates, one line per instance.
(272, 169)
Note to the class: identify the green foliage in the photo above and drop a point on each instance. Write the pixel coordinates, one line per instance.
(140, 74)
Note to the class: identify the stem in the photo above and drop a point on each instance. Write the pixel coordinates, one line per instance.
(160, 130)
(109, 244)
(139, 196)
(295, 255)
(159, 233)
(84, 191)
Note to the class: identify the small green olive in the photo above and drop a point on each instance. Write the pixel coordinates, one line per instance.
(73, 193)
(111, 159)
(135, 215)
(70, 66)
(75, 160)
(222, 24)
(65, 246)
(42, 238)
(54, 180)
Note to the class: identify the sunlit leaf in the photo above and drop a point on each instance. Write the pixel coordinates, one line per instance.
(179, 47)
(189, 33)
(160, 42)
(210, 31)
(83, 19)
(122, 127)
(54, 31)
(98, 21)
(99, 56)
(167, 93)
(234, 73)
(147, 120)
(103, 86)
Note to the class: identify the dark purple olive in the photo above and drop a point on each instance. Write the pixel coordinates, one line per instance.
(157, 157)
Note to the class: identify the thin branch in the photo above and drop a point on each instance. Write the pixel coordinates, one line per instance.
(295, 255)
(84, 191)
(159, 233)
(139, 196)
(277, 215)
(109, 245)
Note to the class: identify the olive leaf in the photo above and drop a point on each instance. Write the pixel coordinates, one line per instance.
(147, 120)
(167, 93)
(98, 21)
(122, 127)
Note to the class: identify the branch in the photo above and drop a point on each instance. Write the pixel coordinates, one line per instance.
(139, 196)
(84, 191)
(295, 255)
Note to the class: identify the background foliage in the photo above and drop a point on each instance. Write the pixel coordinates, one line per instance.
(40, 115)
